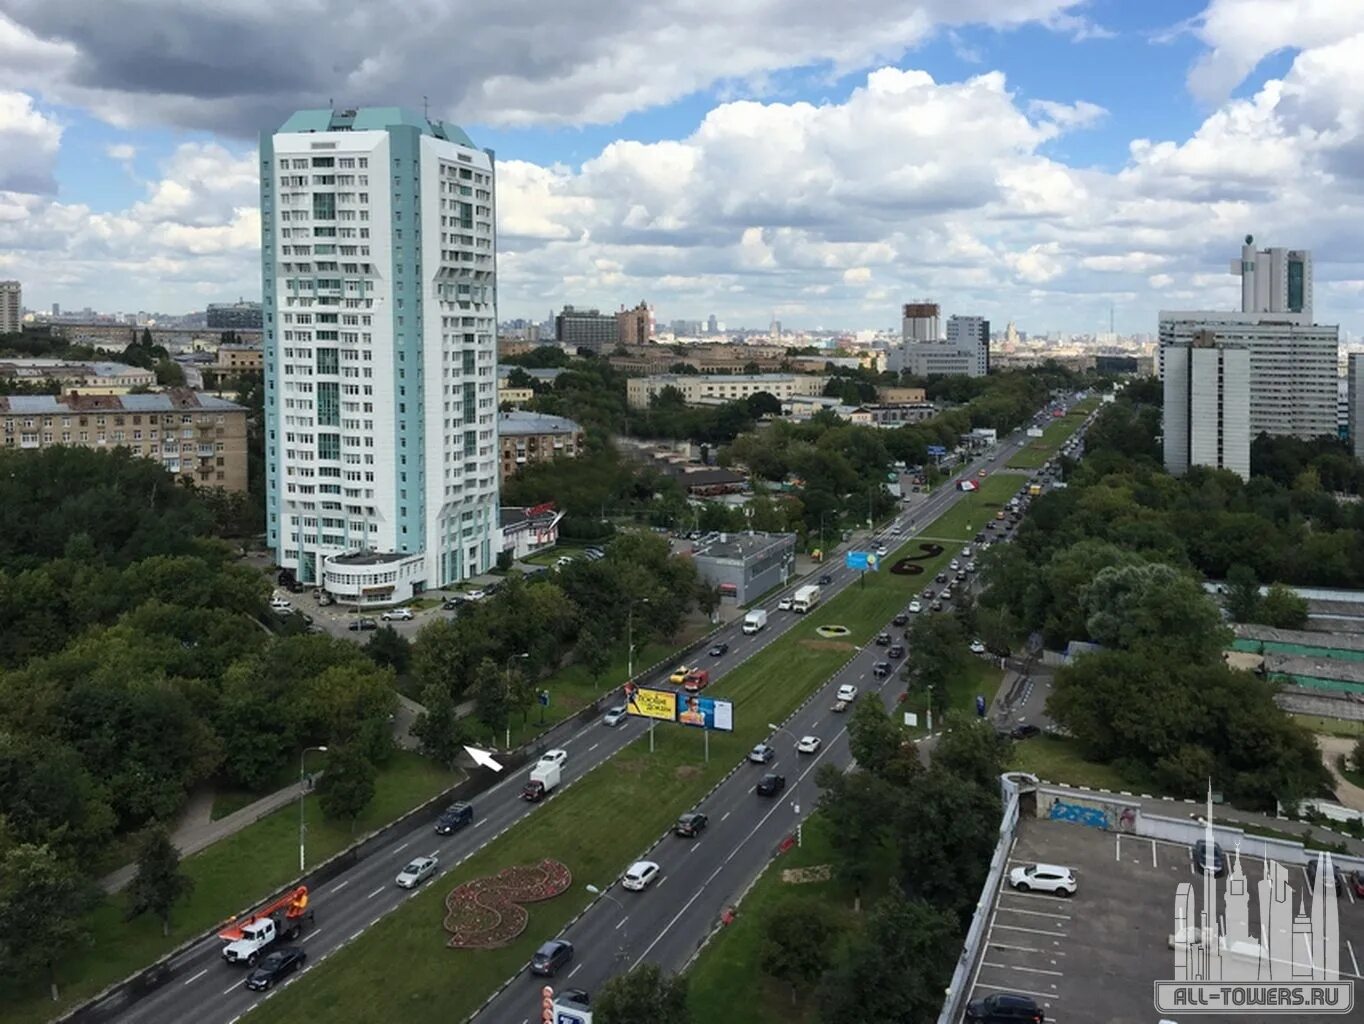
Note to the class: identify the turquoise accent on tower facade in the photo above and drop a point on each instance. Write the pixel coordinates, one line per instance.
(404, 174)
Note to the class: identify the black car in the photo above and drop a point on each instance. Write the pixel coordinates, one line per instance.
(693, 823)
(928, 593)
(719, 650)
(900, 619)
(961, 575)
(275, 966)
(825, 580)
(1004, 1008)
(362, 625)
(453, 817)
(980, 538)
(1205, 857)
(550, 957)
(1338, 883)
(881, 669)
(770, 784)
(882, 639)
(896, 650)
(941, 577)
(451, 604)
(1023, 732)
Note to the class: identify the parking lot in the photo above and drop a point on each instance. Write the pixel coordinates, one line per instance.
(1094, 957)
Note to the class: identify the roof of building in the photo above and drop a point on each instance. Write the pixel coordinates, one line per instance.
(369, 557)
(1247, 634)
(509, 517)
(164, 401)
(689, 477)
(97, 368)
(232, 346)
(363, 119)
(740, 546)
(729, 378)
(516, 424)
(548, 373)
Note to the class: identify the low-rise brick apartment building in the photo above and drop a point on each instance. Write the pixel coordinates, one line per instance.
(526, 437)
(195, 437)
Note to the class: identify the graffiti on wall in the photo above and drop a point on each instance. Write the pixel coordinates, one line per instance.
(1078, 814)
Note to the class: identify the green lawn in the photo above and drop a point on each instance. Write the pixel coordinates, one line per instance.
(596, 827)
(1057, 759)
(1053, 437)
(1330, 726)
(228, 876)
(968, 517)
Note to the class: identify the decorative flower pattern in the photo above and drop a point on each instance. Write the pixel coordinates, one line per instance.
(486, 913)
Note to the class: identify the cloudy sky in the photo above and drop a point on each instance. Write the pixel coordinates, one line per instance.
(1033, 160)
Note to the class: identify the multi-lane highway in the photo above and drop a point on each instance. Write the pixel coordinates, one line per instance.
(699, 877)
(663, 924)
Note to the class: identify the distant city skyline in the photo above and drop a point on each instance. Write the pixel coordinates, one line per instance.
(781, 165)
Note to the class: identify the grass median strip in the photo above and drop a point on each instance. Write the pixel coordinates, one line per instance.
(228, 875)
(596, 827)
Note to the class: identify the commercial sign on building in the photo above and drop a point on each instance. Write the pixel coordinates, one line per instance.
(705, 712)
(644, 702)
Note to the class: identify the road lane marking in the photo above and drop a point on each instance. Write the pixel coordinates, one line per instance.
(189, 981)
(594, 746)
(698, 842)
(1020, 991)
(229, 991)
(376, 892)
(310, 935)
(1030, 931)
(1026, 970)
(575, 970)
(622, 921)
(405, 845)
(659, 883)
(338, 888)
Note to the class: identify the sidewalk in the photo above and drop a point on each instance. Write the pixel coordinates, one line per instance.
(1347, 793)
(195, 830)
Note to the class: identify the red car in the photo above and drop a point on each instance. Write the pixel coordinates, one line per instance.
(1356, 881)
(697, 679)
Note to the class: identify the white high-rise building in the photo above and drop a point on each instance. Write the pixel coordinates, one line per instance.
(1354, 397)
(11, 307)
(1207, 405)
(971, 334)
(1293, 361)
(379, 295)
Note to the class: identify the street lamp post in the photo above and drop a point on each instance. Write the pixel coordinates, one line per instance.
(630, 637)
(302, 823)
(507, 677)
(624, 927)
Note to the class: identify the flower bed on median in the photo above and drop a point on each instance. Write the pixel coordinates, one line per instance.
(485, 913)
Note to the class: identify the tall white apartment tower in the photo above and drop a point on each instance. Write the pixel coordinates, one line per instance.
(1275, 280)
(11, 307)
(379, 297)
(971, 334)
(1206, 416)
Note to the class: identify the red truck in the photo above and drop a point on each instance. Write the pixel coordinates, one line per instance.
(697, 679)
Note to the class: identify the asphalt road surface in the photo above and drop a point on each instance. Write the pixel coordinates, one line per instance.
(664, 924)
(667, 923)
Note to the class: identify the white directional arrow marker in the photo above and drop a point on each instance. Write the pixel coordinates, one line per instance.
(483, 759)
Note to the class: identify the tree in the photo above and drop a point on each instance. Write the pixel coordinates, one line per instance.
(944, 864)
(593, 651)
(492, 696)
(42, 901)
(873, 736)
(347, 786)
(1153, 605)
(1242, 593)
(642, 996)
(1282, 608)
(894, 969)
(439, 728)
(859, 807)
(387, 647)
(971, 749)
(1357, 755)
(159, 883)
(798, 938)
(169, 374)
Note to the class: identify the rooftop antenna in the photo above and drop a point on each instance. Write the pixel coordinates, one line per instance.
(331, 103)
(426, 108)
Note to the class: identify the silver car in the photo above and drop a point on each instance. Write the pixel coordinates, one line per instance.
(417, 872)
(614, 716)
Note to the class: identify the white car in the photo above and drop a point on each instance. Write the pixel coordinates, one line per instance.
(1043, 878)
(475, 595)
(955, 565)
(784, 605)
(416, 873)
(808, 745)
(555, 757)
(915, 607)
(639, 875)
(977, 647)
(280, 605)
(847, 692)
(397, 615)
(966, 551)
(881, 551)
(614, 716)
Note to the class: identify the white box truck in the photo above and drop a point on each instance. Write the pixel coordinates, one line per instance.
(755, 620)
(544, 778)
(806, 598)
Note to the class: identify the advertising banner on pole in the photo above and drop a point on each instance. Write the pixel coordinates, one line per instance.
(643, 702)
(705, 712)
(861, 561)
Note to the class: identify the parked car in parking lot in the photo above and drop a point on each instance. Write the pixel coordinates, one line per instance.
(362, 625)
(1337, 880)
(1208, 858)
(977, 647)
(397, 615)
(1004, 1008)
(1051, 878)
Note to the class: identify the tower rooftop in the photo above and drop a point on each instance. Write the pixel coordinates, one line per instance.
(364, 119)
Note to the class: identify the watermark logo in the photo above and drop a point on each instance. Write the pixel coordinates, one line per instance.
(1290, 964)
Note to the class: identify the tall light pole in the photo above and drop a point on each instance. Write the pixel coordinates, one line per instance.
(630, 637)
(507, 678)
(624, 928)
(302, 823)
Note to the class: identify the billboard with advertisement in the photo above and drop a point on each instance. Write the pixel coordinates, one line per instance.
(644, 702)
(705, 712)
(861, 561)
